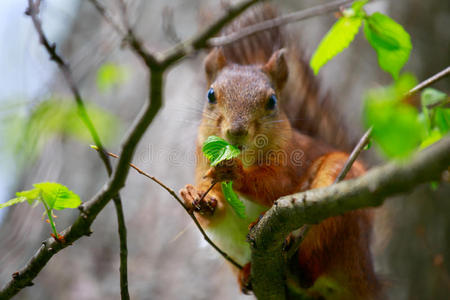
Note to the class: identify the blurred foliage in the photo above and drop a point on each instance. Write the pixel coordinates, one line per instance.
(110, 75)
(28, 133)
(398, 127)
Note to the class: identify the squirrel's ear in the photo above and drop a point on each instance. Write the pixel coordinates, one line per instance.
(214, 62)
(277, 68)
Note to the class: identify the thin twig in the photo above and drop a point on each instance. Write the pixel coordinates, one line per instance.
(429, 81)
(275, 289)
(51, 49)
(207, 191)
(354, 155)
(189, 211)
(108, 18)
(33, 9)
(201, 40)
(90, 209)
(298, 237)
(277, 22)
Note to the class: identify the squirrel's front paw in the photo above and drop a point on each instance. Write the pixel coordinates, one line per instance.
(195, 201)
(226, 170)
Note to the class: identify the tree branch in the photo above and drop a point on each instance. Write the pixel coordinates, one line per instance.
(201, 40)
(277, 22)
(313, 206)
(32, 11)
(90, 209)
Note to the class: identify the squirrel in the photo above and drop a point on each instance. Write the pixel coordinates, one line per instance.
(250, 84)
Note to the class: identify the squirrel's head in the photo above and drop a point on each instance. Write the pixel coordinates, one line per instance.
(243, 102)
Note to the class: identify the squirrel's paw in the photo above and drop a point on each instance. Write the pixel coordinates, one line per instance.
(244, 279)
(225, 171)
(195, 201)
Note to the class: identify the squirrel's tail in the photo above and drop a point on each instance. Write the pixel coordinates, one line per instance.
(309, 111)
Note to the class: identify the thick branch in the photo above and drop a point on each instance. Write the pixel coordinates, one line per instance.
(313, 206)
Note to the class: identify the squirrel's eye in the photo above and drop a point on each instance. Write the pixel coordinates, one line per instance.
(211, 96)
(271, 102)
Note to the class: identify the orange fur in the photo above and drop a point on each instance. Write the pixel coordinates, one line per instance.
(286, 162)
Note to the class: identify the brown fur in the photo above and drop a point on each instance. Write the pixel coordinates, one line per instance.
(337, 248)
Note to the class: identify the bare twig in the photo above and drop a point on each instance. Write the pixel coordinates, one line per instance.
(201, 40)
(277, 22)
(32, 10)
(354, 155)
(90, 209)
(189, 211)
(107, 17)
(430, 81)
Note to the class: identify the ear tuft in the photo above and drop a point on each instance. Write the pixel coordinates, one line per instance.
(214, 62)
(277, 68)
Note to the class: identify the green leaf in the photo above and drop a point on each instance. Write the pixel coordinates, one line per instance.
(110, 75)
(397, 128)
(30, 195)
(434, 136)
(337, 39)
(217, 150)
(233, 199)
(12, 202)
(442, 119)
(57, 196)
(391, 42)
(59, 117)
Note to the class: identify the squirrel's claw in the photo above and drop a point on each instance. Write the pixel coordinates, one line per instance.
(195, 201)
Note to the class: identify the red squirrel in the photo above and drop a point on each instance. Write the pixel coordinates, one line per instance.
(244, 105)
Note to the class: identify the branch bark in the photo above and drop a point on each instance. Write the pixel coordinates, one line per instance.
(32, 11)
(311, 207)
(90, 209)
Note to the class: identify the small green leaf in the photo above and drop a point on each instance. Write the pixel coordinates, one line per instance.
(57, 196)
(337, 39)
(12, 202)
(233, 199)
(110, 75)
(391, 42)
(218, 150)
(30, 195)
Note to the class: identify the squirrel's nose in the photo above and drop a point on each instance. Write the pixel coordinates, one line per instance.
(237, 132)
